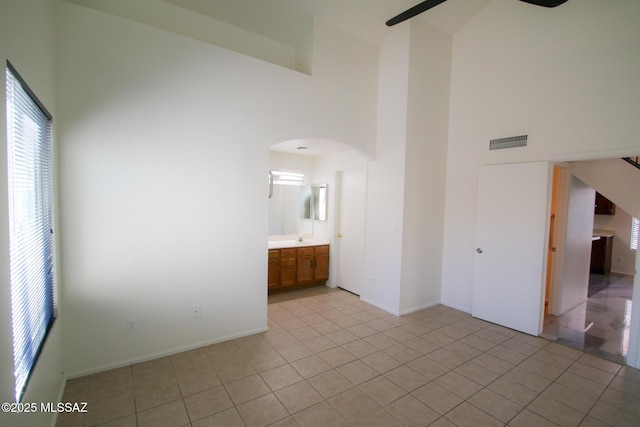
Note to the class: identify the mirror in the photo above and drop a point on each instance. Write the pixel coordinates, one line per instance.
(293, 208)
(313, 202)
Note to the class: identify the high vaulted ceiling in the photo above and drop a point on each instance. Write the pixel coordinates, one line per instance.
(282, 19)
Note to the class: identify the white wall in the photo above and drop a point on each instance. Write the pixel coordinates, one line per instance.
(577, 246)
(26, 40)
(385, 177)
(163, 160)
(425, 167)
(566, 76)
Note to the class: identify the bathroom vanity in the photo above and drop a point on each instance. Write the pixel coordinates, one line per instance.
(294, 264)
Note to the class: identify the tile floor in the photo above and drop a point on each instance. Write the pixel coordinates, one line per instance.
(601, 324)
(331, 360)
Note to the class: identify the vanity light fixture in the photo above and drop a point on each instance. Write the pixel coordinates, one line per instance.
(287, 178)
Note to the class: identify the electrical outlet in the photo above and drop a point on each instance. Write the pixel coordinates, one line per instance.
(195, 311)
(131, 325)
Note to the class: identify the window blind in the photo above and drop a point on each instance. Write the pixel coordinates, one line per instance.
(634, 233)
(30, 190)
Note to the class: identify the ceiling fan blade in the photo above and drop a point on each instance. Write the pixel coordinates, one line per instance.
(545, 3)
(415, 10)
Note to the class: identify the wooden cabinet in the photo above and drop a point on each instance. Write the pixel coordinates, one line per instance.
(604, 206)
(289, 267)
(601, 250)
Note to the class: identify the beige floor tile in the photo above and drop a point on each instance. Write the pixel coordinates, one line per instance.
(345, 321)
(438, 338)
(406, 378)
(613, 416)
(295, 351)
(506, 354)
(591, 373)
(357, 372)
(421, 345)
(458, 384)
(359, 348)
(529, 419)
(266, 359)
(599, 363)
(380, 418)
(590, 421)
(513, 391)
(411, 412)
(246, 389)
(428, 368)
(304, 333)
(319, 344)
(326, 327)
(446, 358)
(437, 398)
(493, 363)
(528, 379)
(581, 384)
(281, 377)
(149, 397)
(542, 368)
(298, 396)
(477, 373)
(320, 415)
(554, 359)
(621, 400)
(330, 359)
(520, 346)
(467, 415)
(197, 380)
(580, 401)
(361, 330)
(402, 353)
(626, 385)
(380, 340)
(400, 335)
(172, 414)
(381, 390)
(330, 383)
(226, 418)
(565, 351)
(310, 366)
(110, 408)
(341, 337)
(353, 404)
(262, 411)
(555, 411)
(381, 362)
(208, 402)
(336, 356)
(478, 342)
(495, 405)
(235, 370)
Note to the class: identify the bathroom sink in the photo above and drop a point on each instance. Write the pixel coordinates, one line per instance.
(293, 243)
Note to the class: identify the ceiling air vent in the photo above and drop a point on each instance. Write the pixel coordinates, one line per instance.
(510, 142)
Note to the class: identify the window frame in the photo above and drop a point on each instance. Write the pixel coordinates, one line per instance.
(31, 243)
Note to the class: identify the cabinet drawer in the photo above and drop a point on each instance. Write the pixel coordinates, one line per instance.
(287, 253)
(322, 249)
(305, 251)
(274, 254)
(287, 262)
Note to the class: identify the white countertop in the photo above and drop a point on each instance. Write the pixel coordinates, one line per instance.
(279, 242)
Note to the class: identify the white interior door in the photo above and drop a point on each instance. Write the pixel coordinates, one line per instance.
(353, 185)
(511, 238)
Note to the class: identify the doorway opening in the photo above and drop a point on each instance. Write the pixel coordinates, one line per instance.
(599, 322)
